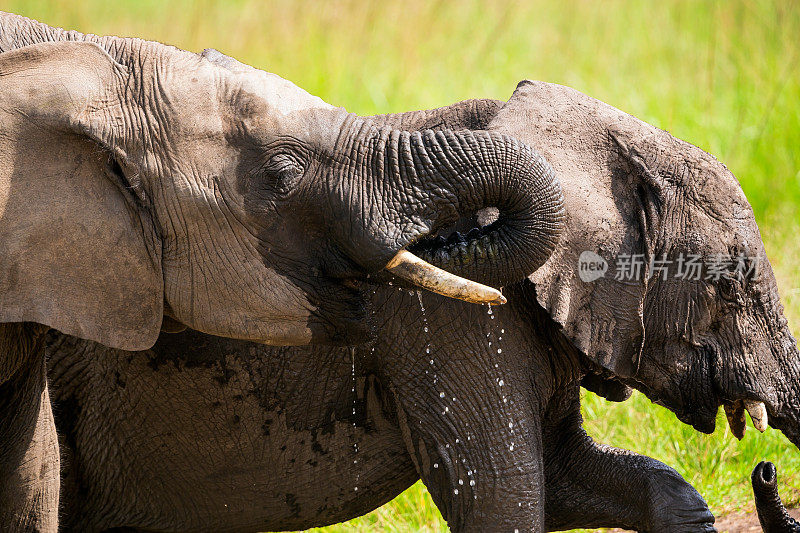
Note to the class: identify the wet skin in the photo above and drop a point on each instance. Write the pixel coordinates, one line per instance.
(205, 433)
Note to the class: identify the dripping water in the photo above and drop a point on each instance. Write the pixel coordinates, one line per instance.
(497, 350)
(426, 331)
(355, 399)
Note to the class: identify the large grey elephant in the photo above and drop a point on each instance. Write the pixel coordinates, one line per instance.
(140, 181)
(204, 433)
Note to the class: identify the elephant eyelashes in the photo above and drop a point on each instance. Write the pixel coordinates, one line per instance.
(114, 169)
(284, 171)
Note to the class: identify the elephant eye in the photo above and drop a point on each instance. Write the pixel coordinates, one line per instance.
(284, 170)
(729, 289)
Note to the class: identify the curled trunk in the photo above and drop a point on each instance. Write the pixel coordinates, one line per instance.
(423, 181)
(771, 513)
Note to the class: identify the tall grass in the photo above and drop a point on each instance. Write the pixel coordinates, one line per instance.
(722, 75)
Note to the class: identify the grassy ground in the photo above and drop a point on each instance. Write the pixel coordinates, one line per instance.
(722, 75)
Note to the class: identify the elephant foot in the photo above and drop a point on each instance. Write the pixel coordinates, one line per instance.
(674, 505)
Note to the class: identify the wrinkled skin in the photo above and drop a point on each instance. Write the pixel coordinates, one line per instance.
(279, 449)
(209, 434)
(140, 181)
(689, 345)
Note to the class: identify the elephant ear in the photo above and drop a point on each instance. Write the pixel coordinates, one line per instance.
(595, 282)
(77, 251)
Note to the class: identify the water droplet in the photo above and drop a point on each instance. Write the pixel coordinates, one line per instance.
(457, 441)
(505, 400)
(455, 491)
(446, 409)
(454, 398)
(436, 465)
(460, 481)
(355, 489)
(428, 350)
(499, 350)
(510, 425)
(495, 365)
(511, 448)
(471, 482)
(502, 331)
(441, 395)
(425, 329)
(501, 383)
(431, 361)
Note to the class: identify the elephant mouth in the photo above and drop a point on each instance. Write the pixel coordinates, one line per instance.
(454, 239)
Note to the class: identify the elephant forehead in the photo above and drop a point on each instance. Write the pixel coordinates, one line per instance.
(280, 96)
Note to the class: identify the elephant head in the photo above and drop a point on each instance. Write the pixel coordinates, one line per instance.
(661, 279)
(138, 181)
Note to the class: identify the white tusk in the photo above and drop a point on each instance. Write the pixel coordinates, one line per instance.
(411, 268)
(758, 414)
(735, 414)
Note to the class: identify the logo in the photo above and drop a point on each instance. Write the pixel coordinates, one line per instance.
(591, 266)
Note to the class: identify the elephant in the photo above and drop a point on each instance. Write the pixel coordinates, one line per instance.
(144, 186)
(205, 433)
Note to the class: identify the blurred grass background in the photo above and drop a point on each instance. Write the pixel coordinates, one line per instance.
(723, 75)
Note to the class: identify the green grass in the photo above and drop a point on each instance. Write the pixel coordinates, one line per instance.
(722, 75)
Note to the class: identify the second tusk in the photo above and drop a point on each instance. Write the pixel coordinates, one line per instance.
(411, 268)
(758, 414)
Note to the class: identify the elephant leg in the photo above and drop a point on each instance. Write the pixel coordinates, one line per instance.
(591, 485)
(29, 459)
(473, 433)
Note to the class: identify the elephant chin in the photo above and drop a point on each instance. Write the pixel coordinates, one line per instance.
(704, 422)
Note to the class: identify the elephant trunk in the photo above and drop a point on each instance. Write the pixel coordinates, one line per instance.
(423, 181)
(771, 513)
(491, 170)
